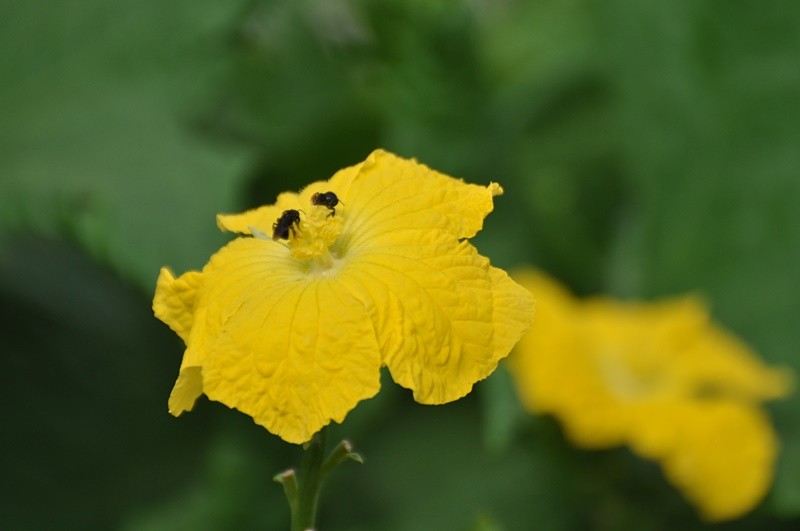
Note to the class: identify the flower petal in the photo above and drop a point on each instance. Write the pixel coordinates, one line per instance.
(174, 300)
(720, 454)
(262, 218)
(174, 303)
(292, 351)
(554, 372)
(720, 362)
(513, 309)
(390, 193)
(432, 306)
(187, 389)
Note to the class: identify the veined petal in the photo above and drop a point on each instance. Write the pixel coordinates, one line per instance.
(513, 308)
(189, 385)
(434, 314)
(259, 220)
(720, 454)
(340, 183)
(174, 303)
(292, 351)
(262, 218)
(390, 193)
(174, 300)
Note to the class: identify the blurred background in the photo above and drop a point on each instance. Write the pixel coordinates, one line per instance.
(646, 148)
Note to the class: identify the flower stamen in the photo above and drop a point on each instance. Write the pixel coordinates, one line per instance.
(314, 236)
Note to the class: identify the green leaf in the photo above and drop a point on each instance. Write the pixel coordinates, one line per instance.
(97, 142)
(502, 411)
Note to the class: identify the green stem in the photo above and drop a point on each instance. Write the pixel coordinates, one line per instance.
(304, 510)
(302, 490)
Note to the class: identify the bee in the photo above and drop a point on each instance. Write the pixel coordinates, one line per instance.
(286, 223)
(327, 199)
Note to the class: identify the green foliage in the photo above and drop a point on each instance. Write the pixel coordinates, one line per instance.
(97, 143)
(646, 148)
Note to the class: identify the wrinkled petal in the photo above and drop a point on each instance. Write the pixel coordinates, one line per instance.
(720, 454)
(513, 309)
(174, 303)
(174, 300)
(293, 352)
(431, 303)
(189, 385)
(187, 389)
(393, 194)
(261, 219)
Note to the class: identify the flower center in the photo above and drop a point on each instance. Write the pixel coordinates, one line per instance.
(311, 242)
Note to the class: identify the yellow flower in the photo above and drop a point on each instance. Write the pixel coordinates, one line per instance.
(291, 323)
(661, 378)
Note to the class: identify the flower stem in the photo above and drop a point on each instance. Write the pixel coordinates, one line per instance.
(302, 490)
(304, 508)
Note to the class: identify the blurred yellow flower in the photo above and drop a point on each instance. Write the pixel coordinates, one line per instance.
(292, 323)
(661, 378)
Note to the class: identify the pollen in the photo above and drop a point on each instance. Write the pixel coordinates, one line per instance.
(315, 237)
